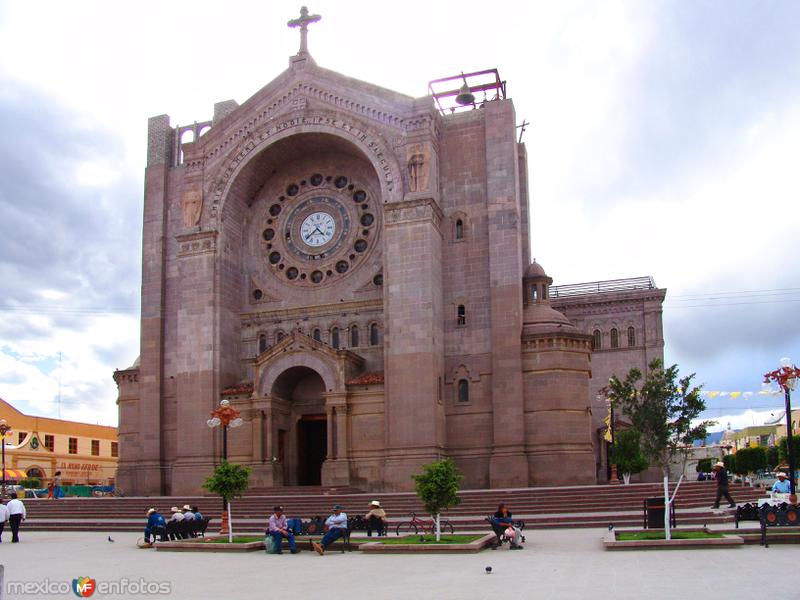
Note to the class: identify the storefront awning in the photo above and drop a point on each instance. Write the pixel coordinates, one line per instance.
(15, 474)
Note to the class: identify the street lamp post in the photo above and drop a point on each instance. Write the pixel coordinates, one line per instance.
(5, 429)
(786, 377)
(613, 477)
(226, 416)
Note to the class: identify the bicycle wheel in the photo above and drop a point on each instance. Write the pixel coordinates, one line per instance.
(446, 527)
(406, 528)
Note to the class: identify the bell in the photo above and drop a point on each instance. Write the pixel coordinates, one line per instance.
(465, 95)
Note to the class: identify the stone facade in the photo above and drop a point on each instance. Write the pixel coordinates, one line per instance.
(349, 267)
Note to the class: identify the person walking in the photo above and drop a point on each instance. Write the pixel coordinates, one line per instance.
(3, 518)
(58, 492)
(721, 475)
(16, 515)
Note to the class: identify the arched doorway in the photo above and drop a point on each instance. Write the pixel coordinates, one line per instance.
(302, 431)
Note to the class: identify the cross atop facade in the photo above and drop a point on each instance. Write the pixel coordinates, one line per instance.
(303, 22)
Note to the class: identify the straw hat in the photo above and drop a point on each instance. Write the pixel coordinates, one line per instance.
(187, 507)
(720, 464)
(175, 509)
(780, 474)
(338, 507)
(375, 503)
(151, 511)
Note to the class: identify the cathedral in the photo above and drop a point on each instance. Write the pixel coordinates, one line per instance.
(350, 268)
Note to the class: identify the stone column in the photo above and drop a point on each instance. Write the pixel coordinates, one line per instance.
(508, 466)
(413, 350)
(336, 468)
(140, 466)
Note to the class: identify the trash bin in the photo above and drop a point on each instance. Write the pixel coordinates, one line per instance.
(654, 510)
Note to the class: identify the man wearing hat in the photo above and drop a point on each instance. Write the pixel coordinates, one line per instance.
(155, 522)
(782, 486)
(337, 526)
(721, 475)
(278, 528)
(376, 519)
(188, 515)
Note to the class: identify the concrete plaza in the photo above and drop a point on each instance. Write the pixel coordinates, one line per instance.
(555, 564)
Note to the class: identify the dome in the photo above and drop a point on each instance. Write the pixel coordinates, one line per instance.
(534, 270)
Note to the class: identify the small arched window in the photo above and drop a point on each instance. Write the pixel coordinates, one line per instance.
(461, 315)
(459, 229)
(534, 294)
(614, 338)
(317, 334)
(597, 340)
(279, 336)
(463, 390)
(262, 343)
(335, 337)
(374, 335)
(354, 336)
(631, 337)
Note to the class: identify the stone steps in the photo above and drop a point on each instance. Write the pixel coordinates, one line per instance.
(568, 506)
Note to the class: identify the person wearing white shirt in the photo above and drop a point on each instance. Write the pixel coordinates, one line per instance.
(177, 515)
(16, 514)
(3, 518)
(782, 486)
(337, 527)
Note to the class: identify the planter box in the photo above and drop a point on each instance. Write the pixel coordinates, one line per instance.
(471, 547)
(611, 542)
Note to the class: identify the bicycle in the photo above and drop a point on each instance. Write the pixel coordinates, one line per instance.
(415, 524)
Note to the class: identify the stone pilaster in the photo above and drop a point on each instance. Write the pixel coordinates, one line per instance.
(413, 350)
(508, 467)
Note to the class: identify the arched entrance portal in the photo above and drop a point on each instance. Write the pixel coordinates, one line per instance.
(302, 431)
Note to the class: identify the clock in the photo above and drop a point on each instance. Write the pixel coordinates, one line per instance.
(317, 229)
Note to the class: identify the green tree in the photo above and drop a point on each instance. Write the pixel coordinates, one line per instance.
(772, 457)
(784, 455)
(628, 453)
(437, 487)
(750, 460)
(664, 409)
(704, 465)
(729, 460)
(31, 483)
(228, 481)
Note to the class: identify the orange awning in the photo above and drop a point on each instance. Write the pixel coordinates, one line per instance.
(14, 474)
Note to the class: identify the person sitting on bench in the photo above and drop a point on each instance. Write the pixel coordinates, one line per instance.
(503, 520)
(337, 527)
(155, 524)
(278, 528)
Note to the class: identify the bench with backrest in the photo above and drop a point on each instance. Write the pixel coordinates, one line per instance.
(782, 515)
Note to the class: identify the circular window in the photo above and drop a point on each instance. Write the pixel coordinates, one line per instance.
(274, 257)
(367, 219)
(315, 179)
(316, 276)
(360, 196)
(269, 234)
(258, 294)
(360, 245)
(342, 266)
(341, 181)
(275, 210)
(292, 190)
(291, 273)
(378, 279)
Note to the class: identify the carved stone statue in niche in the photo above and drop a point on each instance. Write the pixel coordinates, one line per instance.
(418, 167)
(191, 207)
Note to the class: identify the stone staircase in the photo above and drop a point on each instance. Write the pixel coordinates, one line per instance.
(567, 506)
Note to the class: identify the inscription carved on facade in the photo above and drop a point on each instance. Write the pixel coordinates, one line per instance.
(191, 207)
(418, 163)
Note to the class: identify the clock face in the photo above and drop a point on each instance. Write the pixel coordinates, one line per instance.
(317, 229)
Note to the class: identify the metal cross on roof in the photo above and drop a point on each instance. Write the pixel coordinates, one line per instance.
(303, 22)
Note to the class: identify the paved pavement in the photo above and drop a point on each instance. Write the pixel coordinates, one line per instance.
(556, 564)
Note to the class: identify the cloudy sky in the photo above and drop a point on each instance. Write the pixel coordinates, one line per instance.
(664, 141)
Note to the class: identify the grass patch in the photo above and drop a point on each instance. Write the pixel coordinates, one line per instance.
(429, 539)
(238, 540)
(624, 536)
